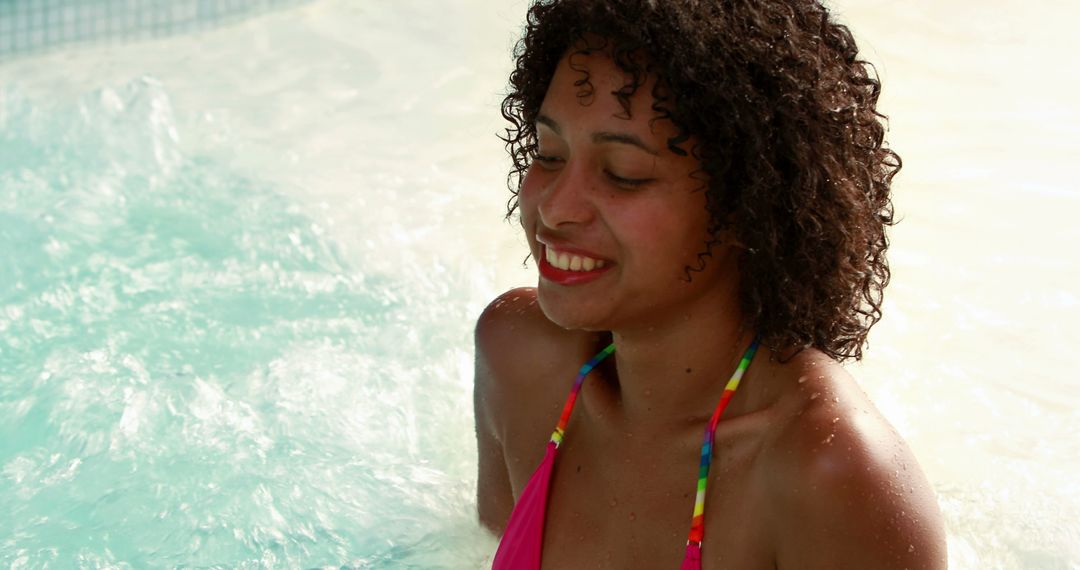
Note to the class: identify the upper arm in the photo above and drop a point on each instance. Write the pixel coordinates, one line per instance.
(494, 493)
(494, 496)
(854, 496)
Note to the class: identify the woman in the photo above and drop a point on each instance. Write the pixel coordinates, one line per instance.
(705, 189)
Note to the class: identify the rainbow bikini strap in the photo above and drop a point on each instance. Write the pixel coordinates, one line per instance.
(560, 429)
(697, 526)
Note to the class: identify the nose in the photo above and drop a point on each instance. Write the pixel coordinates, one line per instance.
(565, 199)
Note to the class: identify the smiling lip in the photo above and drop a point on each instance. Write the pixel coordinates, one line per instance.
(567, 267)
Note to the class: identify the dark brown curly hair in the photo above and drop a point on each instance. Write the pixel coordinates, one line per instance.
(790, 142)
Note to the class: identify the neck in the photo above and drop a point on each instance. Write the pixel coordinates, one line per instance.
(671, 373)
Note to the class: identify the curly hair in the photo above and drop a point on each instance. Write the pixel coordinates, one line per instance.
(787, 133)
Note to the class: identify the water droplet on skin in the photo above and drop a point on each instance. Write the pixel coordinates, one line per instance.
(834, 420)
(802, 379)
(836, 400)
(911, 548)
(614, 503)
(829, 438)
(814, 396)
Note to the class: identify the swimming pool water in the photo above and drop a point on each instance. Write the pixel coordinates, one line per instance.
(194, 374)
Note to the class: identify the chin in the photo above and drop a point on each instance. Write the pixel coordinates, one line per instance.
(566, 314)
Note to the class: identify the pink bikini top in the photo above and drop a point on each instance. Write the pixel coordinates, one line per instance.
(523, 540)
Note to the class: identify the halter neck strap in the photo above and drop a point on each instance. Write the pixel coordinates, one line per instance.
(697, 525)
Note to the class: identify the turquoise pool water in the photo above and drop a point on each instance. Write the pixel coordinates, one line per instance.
(199, 366)
(193, 373)
(239, 271)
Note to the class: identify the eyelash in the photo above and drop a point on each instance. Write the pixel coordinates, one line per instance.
(619, 180)
(628, 182)
(542, 158)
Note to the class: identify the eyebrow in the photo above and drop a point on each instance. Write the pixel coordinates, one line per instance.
(601, 137)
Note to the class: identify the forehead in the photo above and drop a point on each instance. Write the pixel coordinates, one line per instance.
(583, 90)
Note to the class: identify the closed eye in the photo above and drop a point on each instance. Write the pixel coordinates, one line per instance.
(546, 161)
(627, 182)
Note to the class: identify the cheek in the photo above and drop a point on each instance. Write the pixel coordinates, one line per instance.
(695, 239)
(672, 233)
(528, 199)
(529, 191)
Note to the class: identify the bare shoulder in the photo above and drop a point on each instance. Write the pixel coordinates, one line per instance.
(849, 492)
(517, 349)
(512, 335)
(520, 355)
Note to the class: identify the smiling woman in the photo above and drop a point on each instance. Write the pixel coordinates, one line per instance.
(696, 180)
(238, 292)
(602, 191)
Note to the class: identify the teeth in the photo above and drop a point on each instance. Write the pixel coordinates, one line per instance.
(571, 262)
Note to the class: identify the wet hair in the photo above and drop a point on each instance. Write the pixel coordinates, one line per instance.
(783, 119)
